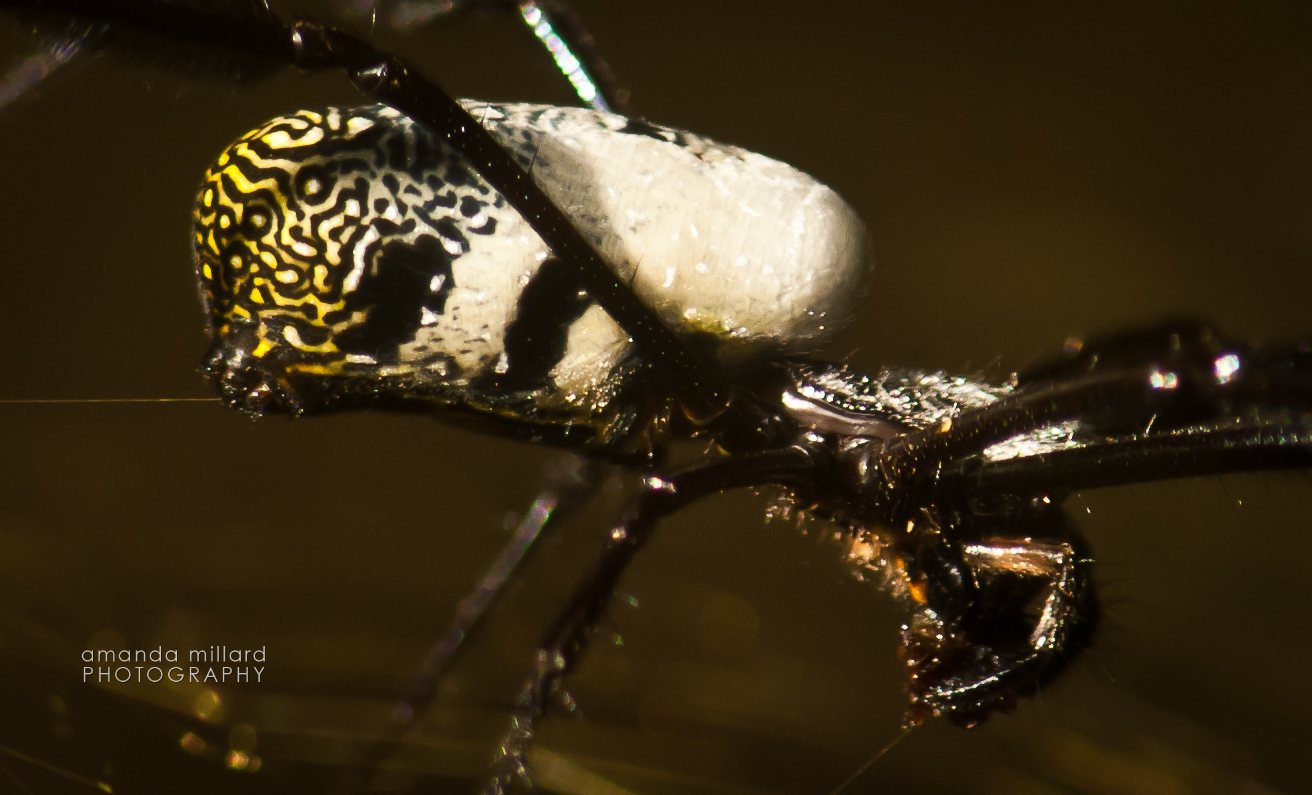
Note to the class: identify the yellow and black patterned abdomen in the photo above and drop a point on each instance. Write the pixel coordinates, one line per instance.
(349, 258)
(334, 233)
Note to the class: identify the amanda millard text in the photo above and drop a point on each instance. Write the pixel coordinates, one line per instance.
(212, 664)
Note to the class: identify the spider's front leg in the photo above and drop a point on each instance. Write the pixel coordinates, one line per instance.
(1025, 605)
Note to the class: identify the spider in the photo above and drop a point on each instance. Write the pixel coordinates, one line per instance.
(951, 349)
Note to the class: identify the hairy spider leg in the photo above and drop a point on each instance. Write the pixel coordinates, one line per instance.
(1169, 376)
(571, 631)
(1172, 454)
(1170, 340)
(556, 25)
(1238, 411)
(570, 482)
(906, 470)
(954, 666)
(965, 654)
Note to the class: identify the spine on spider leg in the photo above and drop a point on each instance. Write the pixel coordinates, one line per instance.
(228, 40)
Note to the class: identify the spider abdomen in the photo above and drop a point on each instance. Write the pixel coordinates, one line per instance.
(353, 243)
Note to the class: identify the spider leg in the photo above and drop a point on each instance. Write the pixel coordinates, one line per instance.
(570, 483)
(574, 52)
(1255, 414)
(966, 653)
(1187, 452)
(1172, 340)
(1033, 604)
(570, 633)
(905, 473)
(975, 535)
(1227, 370)
(1192, 387)
(553, 23)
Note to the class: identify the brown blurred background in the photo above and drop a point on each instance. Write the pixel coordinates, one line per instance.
(1028, 171)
